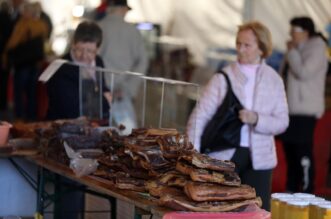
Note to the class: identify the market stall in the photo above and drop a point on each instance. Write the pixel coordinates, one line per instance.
(126, 187)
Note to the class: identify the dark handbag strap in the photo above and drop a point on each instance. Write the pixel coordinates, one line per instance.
(223, 129)
(227, 80)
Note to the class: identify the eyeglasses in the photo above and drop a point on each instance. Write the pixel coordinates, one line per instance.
(87, 51)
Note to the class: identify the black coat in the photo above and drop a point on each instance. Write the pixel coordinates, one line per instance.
(63, 92)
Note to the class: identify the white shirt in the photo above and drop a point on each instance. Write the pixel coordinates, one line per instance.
(250, 73)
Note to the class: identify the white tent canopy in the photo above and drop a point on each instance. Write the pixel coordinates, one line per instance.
(205, 24)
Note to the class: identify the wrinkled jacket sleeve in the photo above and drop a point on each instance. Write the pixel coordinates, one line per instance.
(277, 121)
(205, 109)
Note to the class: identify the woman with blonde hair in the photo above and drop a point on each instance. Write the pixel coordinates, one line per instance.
(261, 92)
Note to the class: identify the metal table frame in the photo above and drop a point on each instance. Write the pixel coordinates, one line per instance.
(45, 199)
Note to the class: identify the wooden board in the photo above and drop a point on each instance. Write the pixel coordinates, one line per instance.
(140, 200)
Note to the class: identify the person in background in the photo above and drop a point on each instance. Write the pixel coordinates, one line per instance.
(16, 4)
(6, 26)
(63, 87)
(63, 93)
(123, 49)
(45, 17)
(304, 75)
(28, 27)
(261, 91)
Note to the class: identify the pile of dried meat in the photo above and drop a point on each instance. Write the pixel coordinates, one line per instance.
(208, 185)
(164, 163)
(143, 155)
(80, 134)
(161, 162)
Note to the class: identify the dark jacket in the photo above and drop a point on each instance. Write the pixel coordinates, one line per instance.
(63, 92)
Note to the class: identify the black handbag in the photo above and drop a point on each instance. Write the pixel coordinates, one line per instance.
(223, 130)
(27, 53)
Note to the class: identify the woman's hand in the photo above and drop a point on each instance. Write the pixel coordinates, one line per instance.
(248, 117)
(290, 45)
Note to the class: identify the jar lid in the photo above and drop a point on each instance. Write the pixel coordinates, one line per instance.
(287, 199)
(325, 206)
(304, 195)
(280, 195)
(298, 203)
(317, 202)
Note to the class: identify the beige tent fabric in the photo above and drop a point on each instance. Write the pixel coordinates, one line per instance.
(205, 24)
(201, 24)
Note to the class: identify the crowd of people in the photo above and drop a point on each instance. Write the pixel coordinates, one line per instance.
(287, 104)
(23, 35)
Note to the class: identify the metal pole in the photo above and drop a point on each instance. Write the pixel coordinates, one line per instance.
(161, 110)
(112, 93)
(40, 197)
(144, 103)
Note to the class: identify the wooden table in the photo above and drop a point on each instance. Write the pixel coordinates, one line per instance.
(101, 187)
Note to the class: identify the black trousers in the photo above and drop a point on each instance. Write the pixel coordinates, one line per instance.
(298, 148)
(4, 75)
(258, 179)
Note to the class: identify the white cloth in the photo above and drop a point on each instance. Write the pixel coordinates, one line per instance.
(250, 72)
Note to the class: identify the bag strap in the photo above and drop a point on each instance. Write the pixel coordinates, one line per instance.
(227, 79)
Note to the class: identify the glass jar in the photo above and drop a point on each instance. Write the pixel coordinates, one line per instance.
(283, 209)
(297, 210)
(275, 201)
(313, 207)
(324, 210)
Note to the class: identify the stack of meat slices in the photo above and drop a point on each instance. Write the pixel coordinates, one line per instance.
(80, 134)
(173, 146)
(202, 168)
(165, 164)
(171, 182)
(208, 184)
(146, 154)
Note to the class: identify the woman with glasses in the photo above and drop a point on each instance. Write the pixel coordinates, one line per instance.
(65, 99)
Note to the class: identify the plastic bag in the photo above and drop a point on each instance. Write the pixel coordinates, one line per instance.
(81, 166)
(124, 113)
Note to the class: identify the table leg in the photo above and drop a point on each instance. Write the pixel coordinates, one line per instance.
(40, 194)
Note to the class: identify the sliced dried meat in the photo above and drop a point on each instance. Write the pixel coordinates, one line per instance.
(130, 184)
(224, 178)
(213, 192)
(183, 203)
(206, 162)
(158, 190)
(184, 167)
(173, 178)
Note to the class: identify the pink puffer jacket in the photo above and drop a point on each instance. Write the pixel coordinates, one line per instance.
(269, 102)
